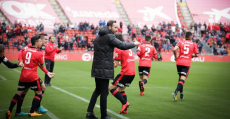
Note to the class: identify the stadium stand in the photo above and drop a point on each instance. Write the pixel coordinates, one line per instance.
(30, 12)
(209, 10)
(150, 12)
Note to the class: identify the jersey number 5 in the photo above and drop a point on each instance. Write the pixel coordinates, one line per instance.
(28, 57)
(130, 52)
(186, 49)
(147, 52)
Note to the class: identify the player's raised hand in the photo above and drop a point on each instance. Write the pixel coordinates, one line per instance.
(51, 75)
(20, 64)
(175, 58)
(137, 43)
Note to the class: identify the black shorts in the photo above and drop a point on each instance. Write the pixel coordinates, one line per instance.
(144, 70)
(123, 80)
(35, 85)
(183, 70)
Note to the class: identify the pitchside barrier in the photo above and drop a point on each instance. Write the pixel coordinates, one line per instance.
(89, 57)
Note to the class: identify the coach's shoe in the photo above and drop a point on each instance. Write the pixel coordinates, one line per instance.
(90, 115)
(8, 113)
(124, 107)
(142, 93)
(107, 117)
(142, 86)
(174, 96)
(34, 114)
(21, 114)
(46, 84)
(50, 85)
(182, 96)
(42, 109)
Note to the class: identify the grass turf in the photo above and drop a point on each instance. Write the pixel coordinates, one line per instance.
(206, 92)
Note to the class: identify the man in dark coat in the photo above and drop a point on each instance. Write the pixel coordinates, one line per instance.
(103, 66)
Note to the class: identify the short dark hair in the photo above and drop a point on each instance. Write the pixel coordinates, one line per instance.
(50, 37)
(2, 48)
(188, 34)
(119, 36)
(42, 35)
(110, 22)
(147, 38)
(35, 39)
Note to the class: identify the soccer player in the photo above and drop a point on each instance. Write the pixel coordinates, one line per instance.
(183, 61)
(125, 77)
(50, 51)
(145, 52)
(44, 40)
(6, 61)
(31, 59)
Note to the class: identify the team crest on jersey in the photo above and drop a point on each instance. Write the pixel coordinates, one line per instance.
(5, 59)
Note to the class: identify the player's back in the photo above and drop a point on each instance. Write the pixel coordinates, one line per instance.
(145, 53)
(127, 61)
(31, 59)
(187, 48)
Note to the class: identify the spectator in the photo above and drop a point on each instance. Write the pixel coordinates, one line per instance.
(62, 29)
(195, 28)
(81, 26)
(16, 43)
(25, 31)
(83, 43)
(6, 43)
(59, 37)
(75, 26)
(103, 23)
(129, 29)
(121, 24)
(219, 42)
(86, 25)
(206, 36)
(215, 50)
(1, 40)
(18, 31)
(228, 51)
(202, 28)
(26, 38)
(77, 38)
(67, 26)
(3, 23)
(41, 27)
(56, 29)
(9, 35)
(100, 23)
(3, 28)
(71, 41)
(156, 45)
(200, 46)
(92, 27)
(37, 28)
(65, 43)
(213, 43)
(153, 28)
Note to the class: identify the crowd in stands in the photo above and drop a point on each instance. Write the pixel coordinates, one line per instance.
(217, 35)
(81, 36)
(17, 35)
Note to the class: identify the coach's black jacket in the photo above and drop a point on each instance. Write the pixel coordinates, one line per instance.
(104, 44)
(7, 62)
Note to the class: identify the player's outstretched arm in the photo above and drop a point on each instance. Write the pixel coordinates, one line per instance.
(42, 67)
(174, 52)
(10, 64)
(116, 63)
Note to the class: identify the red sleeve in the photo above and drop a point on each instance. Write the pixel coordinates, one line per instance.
(117, 54)
(20, 55)
(48, 49)
(179, 44)
(154, 53)
(40, 58)
(195, 49)
(139, 51)
(58, 50)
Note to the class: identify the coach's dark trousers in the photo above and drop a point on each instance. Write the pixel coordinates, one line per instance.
(102, 90)
(49, 67)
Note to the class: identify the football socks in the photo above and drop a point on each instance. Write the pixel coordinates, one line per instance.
(35, 102)
(19, 103)
(118, 96)
(14, 101)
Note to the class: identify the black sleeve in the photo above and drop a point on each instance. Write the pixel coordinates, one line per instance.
(121, 45)
(9, 64)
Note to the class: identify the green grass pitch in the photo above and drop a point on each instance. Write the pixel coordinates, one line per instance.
(206, 91)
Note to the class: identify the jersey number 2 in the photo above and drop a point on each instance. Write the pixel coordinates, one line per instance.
(186, 49)
(28, 57)
(147, 52)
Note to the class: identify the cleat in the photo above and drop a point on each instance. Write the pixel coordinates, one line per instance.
(142, 93)
(125, 112)
(34, 114)
(181, 96)
(174, 96)
(142, 86)
(21, 114)
(7, 114)
(124, 107)
(91, 115)
(42, 109)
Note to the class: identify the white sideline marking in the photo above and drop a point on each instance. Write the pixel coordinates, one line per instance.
(2, 77)
(50, 114)
(87, 101)
(14, 108)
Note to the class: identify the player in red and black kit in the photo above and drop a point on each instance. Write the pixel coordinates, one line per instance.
(145, 52)
(44, 40)
(125, 77)
(183, 61)
(31, 59)
(51, 49)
